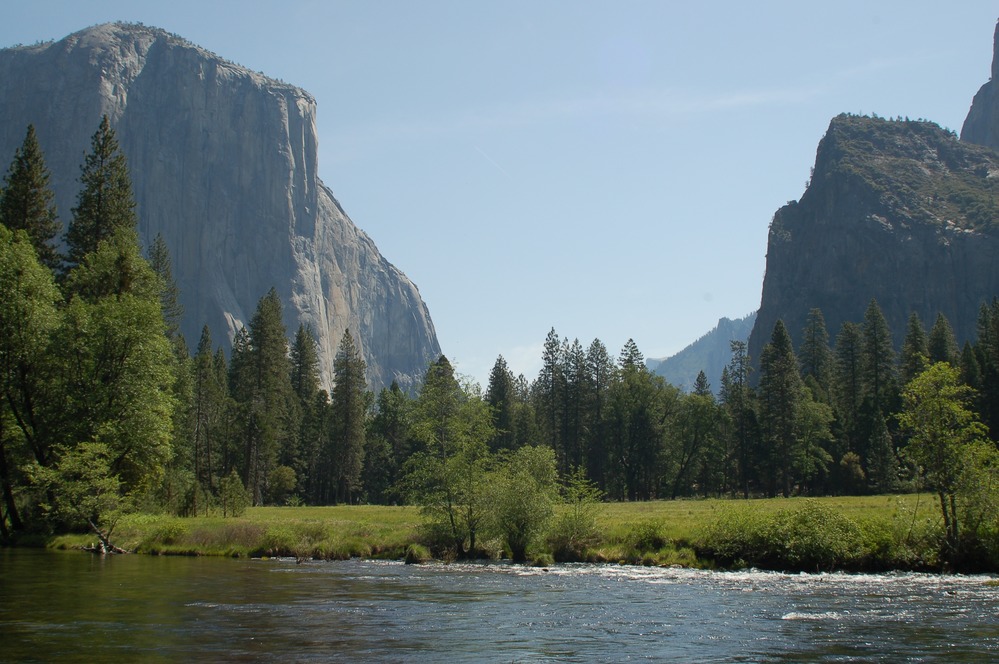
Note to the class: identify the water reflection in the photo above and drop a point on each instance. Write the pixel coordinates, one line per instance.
(71, 606)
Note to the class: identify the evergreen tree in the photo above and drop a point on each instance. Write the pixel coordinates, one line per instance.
(641, 406)
(942, 345)
(305, 366)
(259, 372)
(208, 415)
(848, 384)
(447, 476)
(173, 311)
(549, 393)
(350, 405)
(502, 400)
(737, 398)
(815, 357)
(914, 349)
(105, 203)
(388, 444)
(26, 202)
(600, 373)
(880, 379)
(971, 372)
(781, 395)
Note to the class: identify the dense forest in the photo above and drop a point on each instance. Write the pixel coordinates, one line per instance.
(106, 410)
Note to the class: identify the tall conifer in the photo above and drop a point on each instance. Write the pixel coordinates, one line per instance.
(26, 202)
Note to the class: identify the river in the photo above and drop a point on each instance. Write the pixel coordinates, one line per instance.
(70, 606)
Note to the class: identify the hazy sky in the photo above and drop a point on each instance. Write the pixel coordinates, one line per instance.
(608, 169)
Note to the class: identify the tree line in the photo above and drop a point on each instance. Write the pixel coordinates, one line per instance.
(106, 410)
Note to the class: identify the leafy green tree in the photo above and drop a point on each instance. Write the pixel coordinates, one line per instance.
(522, 494)
(350, 400)
(87, 490)
(575, 526)
(943, 431)
(26, 202)
(28, 319)
(388, 443)
(116, 385)
(447, 475)
(781, 395)
(105, 204)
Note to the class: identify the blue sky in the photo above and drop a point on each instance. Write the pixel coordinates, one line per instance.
(608, 169)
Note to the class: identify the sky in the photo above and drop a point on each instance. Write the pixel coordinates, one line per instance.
(607, 169)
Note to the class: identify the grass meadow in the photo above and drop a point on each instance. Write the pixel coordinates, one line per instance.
(853, 533)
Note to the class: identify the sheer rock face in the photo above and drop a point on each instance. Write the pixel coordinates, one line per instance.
(898, 211)
(982, 124)
(223, 162)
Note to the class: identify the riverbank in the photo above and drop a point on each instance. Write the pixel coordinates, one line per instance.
(869, 533)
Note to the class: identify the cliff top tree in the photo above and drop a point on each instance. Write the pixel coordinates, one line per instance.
(105, 203)
(26, 202)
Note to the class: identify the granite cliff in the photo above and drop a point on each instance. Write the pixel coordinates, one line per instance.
(223, 162)
(900, 211)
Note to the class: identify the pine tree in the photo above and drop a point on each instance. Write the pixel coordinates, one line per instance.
(737, 397)
(942, 345)
(914, 349)
(105, 203)
(501, 398)
(781, 394)
(173, 311)
(350, 404)
(600, 375)
(880, 379)
(815, 357)
(26, 202)
(260, 378)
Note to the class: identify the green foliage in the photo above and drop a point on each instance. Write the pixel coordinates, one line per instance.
(26, 202)
(86, 489)
(233, 495)
(105, 204)
(574, 530)
(808, 537)
(521, 497)
(350, 405)
(945, 441)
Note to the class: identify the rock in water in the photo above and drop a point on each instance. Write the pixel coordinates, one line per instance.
(223, 163)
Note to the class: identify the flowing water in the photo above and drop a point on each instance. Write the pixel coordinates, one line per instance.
(67, 606)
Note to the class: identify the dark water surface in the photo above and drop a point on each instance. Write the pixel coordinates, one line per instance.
(68, 606)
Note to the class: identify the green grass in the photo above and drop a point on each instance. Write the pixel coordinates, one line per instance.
(872, 532)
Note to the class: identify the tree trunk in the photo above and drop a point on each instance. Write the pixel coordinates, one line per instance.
(106, 545)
